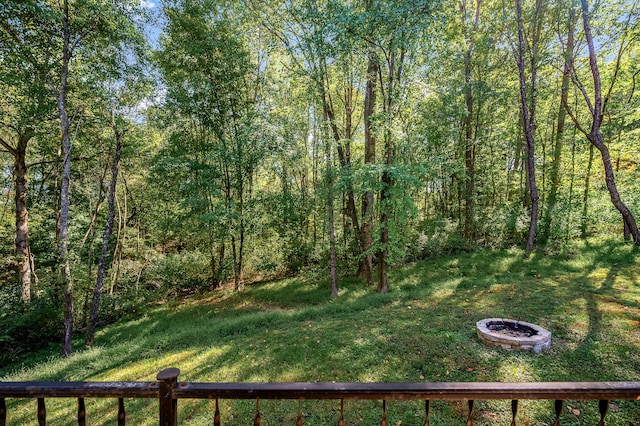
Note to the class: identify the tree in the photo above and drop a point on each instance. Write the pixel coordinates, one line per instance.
(568, 52)
(23, 110)
(118, 134)
(469, 137)
(208, 73)
(597, 108)
(528, 107)
(85, 28)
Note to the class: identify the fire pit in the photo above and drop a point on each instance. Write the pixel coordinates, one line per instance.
(513, 335)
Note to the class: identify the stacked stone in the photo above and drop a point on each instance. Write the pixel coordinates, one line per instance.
(537, 342)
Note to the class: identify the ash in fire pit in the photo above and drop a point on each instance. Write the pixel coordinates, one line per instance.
(513, 335)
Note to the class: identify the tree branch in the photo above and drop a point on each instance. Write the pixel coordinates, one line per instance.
(574, 118)
(580, 86)
(11, 150)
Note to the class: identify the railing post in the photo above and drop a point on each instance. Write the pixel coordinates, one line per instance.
(167, 379)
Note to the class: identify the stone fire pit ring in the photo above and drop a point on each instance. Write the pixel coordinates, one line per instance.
(513, 335)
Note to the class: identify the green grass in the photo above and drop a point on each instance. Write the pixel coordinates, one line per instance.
(423, 330)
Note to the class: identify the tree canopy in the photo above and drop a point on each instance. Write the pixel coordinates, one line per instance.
(253, 139)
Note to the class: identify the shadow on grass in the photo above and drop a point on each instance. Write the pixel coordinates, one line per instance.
(423, 330)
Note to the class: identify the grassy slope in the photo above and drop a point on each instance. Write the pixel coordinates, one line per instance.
(423, 330)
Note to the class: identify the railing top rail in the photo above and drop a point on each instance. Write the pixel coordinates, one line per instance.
(413, 391)
(331, 390)
(79, 389)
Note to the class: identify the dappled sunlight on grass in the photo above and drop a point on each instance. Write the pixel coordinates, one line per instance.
(517, 369)
(422, 330)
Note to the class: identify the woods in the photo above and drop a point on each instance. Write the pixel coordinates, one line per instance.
(241, 141)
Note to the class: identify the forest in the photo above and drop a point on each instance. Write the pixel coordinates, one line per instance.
(155, 149)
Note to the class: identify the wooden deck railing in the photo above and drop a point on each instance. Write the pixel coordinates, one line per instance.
(168, 390)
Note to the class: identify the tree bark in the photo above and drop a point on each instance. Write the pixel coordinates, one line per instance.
(344, 157)
(332, 237)
(97, 293)
(23, 250)
(369, 160)
(528, 130)
(63, 250)
(469, 142)
(329, 121)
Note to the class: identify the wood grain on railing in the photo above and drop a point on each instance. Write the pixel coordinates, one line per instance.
(168, 390)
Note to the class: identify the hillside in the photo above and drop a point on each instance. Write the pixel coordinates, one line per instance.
(422, 330)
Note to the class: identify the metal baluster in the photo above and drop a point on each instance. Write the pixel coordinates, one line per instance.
(299, 421)
(603, 405)
(341, 421)
(514, 411)
(42, 412)
(384, 413)
(256, 419)
(82, 413)
(216, 415)
(470, 418)
(427, 411)
(3, 412)
(559, 406)
(121, 414)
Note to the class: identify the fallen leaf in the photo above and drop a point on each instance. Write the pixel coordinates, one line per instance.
(399, 422)
(574, 411)
(613, 407)
(470, 369)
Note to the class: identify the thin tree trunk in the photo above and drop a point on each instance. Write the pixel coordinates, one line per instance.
(97, 293)
(370, 160)
(594, 134)
(332, 237)
(117, 245)
(528, 130)
(345, 162)
(562, 113)
(328, 120)
(469, 142)
(585, 195)
(63, 256)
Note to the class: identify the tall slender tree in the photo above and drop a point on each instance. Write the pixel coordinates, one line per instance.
(593, 132)
(559, 136)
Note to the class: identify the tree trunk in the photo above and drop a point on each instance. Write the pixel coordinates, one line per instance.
(329, 121)
(22, 218)
(97, 293)
(562, 113)
(595, 136)
(332, 237)
(369, 160)
(66, 281)
(627, 216)
(23, 251)
(585, 195)
(527, 121)
(469, 142)
(344, 157)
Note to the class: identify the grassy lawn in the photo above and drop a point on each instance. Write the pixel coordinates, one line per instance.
(423, 330)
